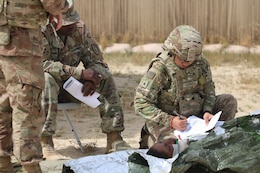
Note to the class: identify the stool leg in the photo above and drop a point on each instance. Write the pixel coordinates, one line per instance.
(73, 130)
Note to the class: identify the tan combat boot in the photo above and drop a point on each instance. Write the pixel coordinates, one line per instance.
(49, 153)
(32, 168)
(112, 137)
(115, 142)
(6, 164)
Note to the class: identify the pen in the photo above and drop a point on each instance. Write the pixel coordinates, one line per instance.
(179, 115)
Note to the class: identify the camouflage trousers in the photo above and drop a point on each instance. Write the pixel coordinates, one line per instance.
(224, 102)
(21, 117)
(110, 110)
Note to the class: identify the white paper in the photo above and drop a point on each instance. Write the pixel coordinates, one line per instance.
(73, 86)
(256, 112)
(197, 127)
(116, 162)
(212, 122)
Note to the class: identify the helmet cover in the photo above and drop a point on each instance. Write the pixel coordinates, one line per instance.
(185, 42)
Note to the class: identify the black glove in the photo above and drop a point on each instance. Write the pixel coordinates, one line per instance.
(91, 75)
(88, 88)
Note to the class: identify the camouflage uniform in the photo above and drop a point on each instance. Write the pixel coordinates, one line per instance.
(166, 88)
(62, 56)
(21, 77)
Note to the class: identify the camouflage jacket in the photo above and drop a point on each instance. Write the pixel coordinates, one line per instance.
(20, 23)
(164, 87)
(63, 54)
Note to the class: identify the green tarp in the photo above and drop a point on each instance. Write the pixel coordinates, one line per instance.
(235, 151)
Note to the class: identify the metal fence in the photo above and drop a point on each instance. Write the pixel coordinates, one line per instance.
(142, 21)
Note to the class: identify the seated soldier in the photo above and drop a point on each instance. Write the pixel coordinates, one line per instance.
(64, 50)
(178, 84)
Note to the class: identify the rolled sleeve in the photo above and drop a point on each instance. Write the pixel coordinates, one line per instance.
(60, 71)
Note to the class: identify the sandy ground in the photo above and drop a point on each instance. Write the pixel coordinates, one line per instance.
(242, 82)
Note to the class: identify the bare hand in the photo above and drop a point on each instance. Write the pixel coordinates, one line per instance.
(92, 75)
(58, 20)
(178, 123)
(207, 117)
(88, 88)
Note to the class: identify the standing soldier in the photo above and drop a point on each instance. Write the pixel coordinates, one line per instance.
(21, 79)
(63, 53)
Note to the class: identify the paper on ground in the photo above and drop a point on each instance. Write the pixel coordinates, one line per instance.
(256, 112)
(116, 162)
(73, 86)
(197, 127)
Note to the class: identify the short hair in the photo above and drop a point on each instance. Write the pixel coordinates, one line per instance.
(156, 153)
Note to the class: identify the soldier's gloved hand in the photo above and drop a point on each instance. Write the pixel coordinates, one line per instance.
(91, 75)
(88, 88)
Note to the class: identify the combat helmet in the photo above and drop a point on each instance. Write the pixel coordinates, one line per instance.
(71, 16)
(185, 42)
